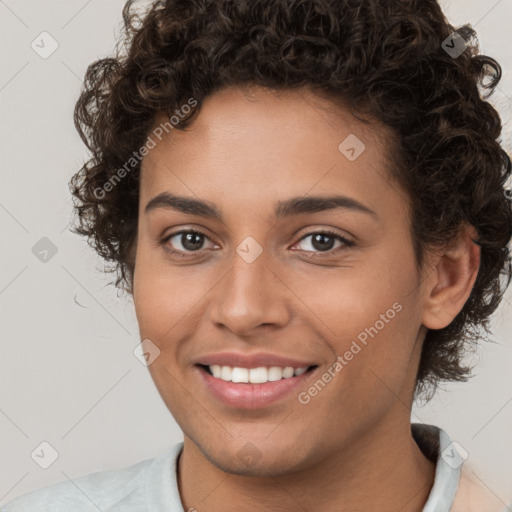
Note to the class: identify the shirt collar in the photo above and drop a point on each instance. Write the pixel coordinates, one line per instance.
(437, 446)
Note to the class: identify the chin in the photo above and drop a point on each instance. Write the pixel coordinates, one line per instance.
(247, 459)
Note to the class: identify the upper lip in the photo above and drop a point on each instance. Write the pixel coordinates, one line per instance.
(236, 359)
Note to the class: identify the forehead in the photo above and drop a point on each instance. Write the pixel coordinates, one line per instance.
(265, 144)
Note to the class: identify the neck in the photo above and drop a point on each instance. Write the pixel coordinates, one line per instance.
(382, 470)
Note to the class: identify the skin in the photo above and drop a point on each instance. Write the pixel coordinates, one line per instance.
(350, 448)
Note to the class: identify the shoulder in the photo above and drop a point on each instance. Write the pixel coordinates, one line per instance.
(113, 490)
(473, 495)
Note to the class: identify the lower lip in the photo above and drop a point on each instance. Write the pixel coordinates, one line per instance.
(252, 396)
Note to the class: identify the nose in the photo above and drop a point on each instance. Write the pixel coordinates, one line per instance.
(250, 296)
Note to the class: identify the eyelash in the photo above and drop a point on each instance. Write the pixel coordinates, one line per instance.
(184, 254)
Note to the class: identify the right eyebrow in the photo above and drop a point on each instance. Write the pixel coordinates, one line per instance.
(183, 204)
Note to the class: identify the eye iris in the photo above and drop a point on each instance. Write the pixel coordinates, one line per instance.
(191, 241)
(319, 242)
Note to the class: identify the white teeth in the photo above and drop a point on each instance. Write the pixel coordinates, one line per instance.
(287, 372)
(239, 375)
(225, 373)
(275, 373)
(255, 375)
(258, 375)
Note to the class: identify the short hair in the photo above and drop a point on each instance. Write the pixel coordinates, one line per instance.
(392, 62)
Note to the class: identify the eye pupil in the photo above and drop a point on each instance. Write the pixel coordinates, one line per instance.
(319, 242)
(191, 241)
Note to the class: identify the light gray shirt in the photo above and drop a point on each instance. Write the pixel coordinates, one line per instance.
(151, 485)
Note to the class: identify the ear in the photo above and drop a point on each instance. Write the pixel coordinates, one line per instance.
(451, 280)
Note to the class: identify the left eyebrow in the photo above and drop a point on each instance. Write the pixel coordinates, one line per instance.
(288, 208)
(312, 204)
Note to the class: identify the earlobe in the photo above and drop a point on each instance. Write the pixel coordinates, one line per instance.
(452, 280)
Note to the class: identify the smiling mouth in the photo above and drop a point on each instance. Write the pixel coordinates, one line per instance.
(259, 375)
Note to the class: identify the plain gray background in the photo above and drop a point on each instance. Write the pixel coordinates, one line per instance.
(67, 369)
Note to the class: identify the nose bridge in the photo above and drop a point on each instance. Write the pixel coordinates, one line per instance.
(248, 296)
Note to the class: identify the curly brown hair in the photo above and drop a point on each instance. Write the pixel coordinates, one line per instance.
(385, 60)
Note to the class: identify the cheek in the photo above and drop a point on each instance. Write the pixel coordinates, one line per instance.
(164, 295)
(373, 318)
(163, 306)
(353, 299)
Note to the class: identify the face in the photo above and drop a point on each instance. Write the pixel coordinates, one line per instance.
(260, 271)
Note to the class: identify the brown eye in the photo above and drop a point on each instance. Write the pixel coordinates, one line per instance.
(324, 241)
(186, 241)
